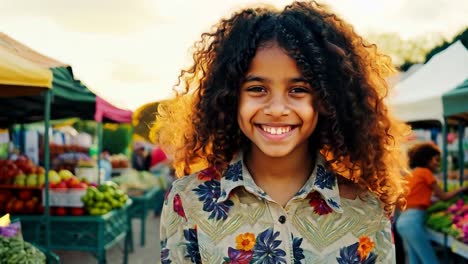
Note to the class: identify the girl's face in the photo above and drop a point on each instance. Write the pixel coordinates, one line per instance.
(434, 163)
(276, 105)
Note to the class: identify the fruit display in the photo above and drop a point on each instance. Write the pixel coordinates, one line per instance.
(102, 199)
(21, 172)
(450, 217)
(119, 161)
(20, 201)
(133, 180)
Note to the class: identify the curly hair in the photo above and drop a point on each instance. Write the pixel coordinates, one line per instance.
(355, 129)
(420, 154)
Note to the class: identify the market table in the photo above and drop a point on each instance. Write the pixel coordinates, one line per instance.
(140, 208)
(451, 243)
(93, 234)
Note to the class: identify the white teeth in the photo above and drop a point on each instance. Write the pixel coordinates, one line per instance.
(276, 130)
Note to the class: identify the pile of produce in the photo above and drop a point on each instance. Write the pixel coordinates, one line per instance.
(104, 198)
(133, 180)
(450, 217)
(13, 249)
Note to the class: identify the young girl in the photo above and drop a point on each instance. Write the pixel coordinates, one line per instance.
(285, 110)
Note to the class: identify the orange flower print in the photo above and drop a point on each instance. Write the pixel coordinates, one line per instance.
(365, 247)
(245, 241)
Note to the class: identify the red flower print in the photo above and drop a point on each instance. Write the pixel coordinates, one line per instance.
(209, 174)
(319, 204)
(178, 206)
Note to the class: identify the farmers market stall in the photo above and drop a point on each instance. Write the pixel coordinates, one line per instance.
(67, 98)
(437, 94)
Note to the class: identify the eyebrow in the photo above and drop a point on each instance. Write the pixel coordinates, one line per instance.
(254, 78)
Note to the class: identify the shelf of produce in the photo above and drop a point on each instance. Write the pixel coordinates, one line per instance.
(457, 247)
(140, 208)
(93, 234)
(435, 236)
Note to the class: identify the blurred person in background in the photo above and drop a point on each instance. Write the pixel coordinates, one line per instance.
(424, 160)
(105, 164)
(139, 158)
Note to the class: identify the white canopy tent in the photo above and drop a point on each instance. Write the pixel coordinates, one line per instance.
(419, 97)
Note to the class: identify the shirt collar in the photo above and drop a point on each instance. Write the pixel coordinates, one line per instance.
(321, 180)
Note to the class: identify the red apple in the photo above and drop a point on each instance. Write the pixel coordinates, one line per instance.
(72, 182)
(9, 206)
(31, 205)
(18, 206)
(77, 211)
(61, 185)
(5, 195)
(25, 195)
(60, 211)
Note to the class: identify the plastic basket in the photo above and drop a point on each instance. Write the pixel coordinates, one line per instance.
(64, 197)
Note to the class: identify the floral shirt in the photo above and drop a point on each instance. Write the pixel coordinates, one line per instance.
(207, 219)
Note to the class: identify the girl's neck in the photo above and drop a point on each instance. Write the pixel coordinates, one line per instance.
(281, 177)
(283, 168)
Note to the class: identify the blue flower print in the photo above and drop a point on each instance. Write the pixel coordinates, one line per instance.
(300, 192)
(234, 172)
(349, 255)
(358, 253)
(324, 178)
(370, 259)
(333, 203)
(165, 253)
(266, 249)
(193, 252)
(209, 190)
(218, 210)
(209, 193)
(298, 252)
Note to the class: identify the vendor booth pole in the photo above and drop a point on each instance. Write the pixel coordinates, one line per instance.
(48, 101)
(445, 174)
(461, 152)
(99, 150)
(444, 153)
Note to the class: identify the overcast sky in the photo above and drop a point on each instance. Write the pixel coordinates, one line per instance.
(130, 52)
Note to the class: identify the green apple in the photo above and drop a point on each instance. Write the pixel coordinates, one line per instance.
(54, 177)
(41, 179)
(20, 180)
(65, 174)
(31, 180)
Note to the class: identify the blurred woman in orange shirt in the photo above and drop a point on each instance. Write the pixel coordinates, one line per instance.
(424, 160)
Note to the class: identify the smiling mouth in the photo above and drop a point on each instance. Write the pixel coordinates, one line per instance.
(276, 130)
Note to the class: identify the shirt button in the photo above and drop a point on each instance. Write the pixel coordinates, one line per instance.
(282, 219)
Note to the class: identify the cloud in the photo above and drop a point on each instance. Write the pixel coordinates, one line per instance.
(90, 16)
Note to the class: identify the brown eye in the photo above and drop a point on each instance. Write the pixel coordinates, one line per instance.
(299, 90)
(256, 89)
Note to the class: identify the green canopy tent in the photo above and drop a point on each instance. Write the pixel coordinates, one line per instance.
(70, 98)
(455, 104)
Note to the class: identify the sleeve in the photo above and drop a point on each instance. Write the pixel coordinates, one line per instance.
(429, 177)
(179, 242)
(384, 244)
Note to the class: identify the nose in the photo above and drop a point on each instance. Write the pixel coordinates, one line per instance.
(277, 106)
